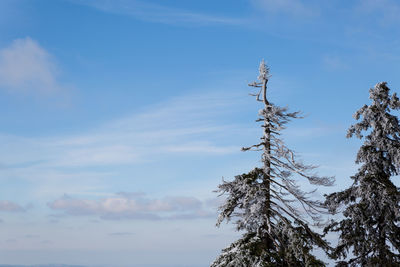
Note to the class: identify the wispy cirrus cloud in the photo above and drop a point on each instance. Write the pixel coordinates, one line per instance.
(334, 63)
(121, 234)
(294, 8)
(133, 206)
(25, 66)
(147, 11)
(385, 12)
(171, 128)
(85, 164)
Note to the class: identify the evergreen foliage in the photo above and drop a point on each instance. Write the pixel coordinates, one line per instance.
(267, 204)
(371, 224)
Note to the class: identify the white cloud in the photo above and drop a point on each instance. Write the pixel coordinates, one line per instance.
(133, 206)
(146, 11)
(26, 66)
(10, 206)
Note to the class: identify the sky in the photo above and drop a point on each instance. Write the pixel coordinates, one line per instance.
(120, 118)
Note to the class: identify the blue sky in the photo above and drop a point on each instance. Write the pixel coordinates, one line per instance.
(119, 118)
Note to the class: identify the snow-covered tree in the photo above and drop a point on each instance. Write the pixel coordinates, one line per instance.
(370, 228)
(267, 204)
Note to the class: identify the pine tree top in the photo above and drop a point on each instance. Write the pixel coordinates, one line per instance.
(381, 149)
(267, 203)
(371, 224)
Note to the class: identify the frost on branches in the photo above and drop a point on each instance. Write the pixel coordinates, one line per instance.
(267, 204)
(371, 224)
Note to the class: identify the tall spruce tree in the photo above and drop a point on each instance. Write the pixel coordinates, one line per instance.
(267, 204)
(371, 224)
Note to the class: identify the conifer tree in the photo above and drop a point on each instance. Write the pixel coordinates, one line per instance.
(371, 224)
(267, 204)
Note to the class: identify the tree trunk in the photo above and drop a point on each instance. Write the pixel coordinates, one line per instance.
(267, 167)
